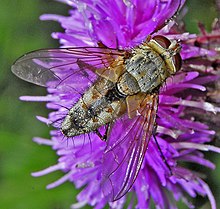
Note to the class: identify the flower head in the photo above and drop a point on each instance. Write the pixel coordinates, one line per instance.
(180, 136)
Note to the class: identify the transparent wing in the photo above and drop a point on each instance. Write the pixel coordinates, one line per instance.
(49, 65)
(126, 149)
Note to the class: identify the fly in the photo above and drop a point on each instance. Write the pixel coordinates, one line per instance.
(112, 88)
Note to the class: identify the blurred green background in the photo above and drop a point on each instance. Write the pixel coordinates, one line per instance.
(22, 31)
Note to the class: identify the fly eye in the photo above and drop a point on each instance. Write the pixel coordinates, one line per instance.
(177, 61)
(163, 41)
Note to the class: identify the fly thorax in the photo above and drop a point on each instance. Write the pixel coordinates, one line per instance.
(127, 84)
(147, 68)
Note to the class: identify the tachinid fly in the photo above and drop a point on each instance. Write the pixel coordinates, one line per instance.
(109, 85)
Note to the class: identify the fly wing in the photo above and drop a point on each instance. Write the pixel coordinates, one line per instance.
(49, 65)
(126, 149)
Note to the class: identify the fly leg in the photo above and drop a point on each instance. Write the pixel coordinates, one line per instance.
(161, 153)
(106, 134)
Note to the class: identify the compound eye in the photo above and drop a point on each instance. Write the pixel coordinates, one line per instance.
(177, 61)
(163, 41)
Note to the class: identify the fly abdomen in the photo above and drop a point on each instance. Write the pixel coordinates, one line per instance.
(100, 105)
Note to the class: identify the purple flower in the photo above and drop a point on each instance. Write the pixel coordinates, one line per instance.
(181, 137)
